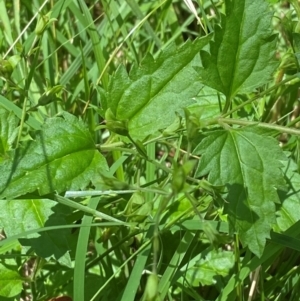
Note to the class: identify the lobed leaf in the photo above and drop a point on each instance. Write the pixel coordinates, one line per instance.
(242, 54)
(158, 86)
(241, 160)
(62, 156)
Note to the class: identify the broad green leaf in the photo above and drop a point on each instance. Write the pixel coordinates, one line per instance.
(242, 53)
(205, 271)
(157, 86)
(8, 131)
(241, 160)
(17, 216)
(11, 283)
(289, 212)
(62, 157)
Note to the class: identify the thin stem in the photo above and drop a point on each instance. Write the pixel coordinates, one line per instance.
(87, 193)
(26, 89)
(279, 128)
(24, 30)
(260, 95)
(88, 210)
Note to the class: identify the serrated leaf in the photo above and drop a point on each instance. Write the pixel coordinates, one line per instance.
(11, 283)
(205, 271)
(242, 54)
(249, 165)
(8, 131)
(17, 216)
(289, 212)
(166, 84)
(62, 157)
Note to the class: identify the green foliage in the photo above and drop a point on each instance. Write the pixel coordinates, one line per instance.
(239, 159)
(205, 270)
(154, 87)
(143, 151)
(9, 131)
(288, 214)
(62, 156)
(11, 282)
(242, 53)
(34, 214)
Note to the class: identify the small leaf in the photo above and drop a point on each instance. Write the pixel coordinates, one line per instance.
(114, 125)
(242, 55)
(179, 175)
(166, 84)
(43, 22)
(6, 68)
(11, 283)
(137, 209)
(174, 127)
(62, 157)
(240, 159)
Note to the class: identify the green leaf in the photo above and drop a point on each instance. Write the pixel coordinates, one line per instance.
(166, 84)
(11, 283)
(14, 109)
(17, 216)
(62, 157)
(205, 271)
(8, 131)
(137, 209)
(209, 103)
(289, 212)
(241, 160)
(242, 55)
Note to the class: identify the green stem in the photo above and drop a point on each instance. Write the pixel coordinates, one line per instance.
(279, 128)
(87, 193)
(150, 169)
(88, 210)
(297, 75)
(129, 259)
(227, 106)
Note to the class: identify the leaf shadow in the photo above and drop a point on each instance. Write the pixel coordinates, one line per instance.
(236, 206)
(53, 242)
